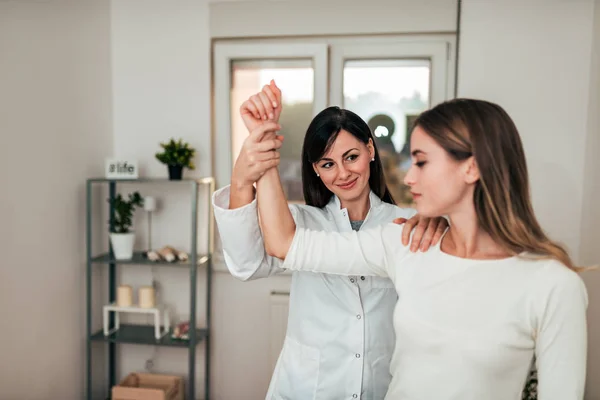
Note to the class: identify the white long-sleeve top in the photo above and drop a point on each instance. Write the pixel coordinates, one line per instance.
(465, 329)
(339, 338)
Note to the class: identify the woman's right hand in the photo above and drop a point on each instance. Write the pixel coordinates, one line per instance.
(261, 107)
(258, 154)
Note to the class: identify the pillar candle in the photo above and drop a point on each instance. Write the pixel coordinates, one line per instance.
(124, 296)
(146, 297)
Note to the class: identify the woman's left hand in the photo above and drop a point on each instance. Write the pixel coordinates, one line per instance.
(428, 231)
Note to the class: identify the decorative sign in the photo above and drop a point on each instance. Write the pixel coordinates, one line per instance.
(121, 169)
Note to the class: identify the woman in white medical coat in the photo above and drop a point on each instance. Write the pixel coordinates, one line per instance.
(340, 337)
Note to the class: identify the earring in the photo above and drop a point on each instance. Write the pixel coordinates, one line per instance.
(373, 159)
(318, 174)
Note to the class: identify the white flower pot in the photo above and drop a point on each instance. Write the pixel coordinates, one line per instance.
(122, 244)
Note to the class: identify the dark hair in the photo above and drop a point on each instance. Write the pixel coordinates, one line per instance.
(319, 138)
(465, 128)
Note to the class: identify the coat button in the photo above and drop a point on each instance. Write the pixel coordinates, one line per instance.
(357, 355)
(352, 280)
(354, 396)
(358, 316)
(362, 278)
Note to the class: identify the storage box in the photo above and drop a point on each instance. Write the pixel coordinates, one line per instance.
(140, 386)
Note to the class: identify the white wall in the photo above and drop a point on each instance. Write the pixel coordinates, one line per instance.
(539, 70)
(590, 212)
(55, 122)
(247, 18)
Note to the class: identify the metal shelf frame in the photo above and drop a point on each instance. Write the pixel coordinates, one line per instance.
(140, 334)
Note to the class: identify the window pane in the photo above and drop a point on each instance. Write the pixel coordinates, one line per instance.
(295, 78)
(389, 94)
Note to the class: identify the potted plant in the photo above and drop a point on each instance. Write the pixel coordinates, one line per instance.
(176, 155)
(121, 236)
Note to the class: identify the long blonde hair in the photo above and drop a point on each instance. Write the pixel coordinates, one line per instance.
(467, 127)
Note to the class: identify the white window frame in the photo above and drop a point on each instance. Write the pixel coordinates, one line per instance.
(224, 55)
(328, 55)
(435, 52)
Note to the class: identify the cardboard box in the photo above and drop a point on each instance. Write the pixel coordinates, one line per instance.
(140, 386)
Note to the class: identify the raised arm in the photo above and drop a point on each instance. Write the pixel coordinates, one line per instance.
(277, 223)
(561, 342)
(253, 160)
(234, 206)
(237, 216)
(367, 252)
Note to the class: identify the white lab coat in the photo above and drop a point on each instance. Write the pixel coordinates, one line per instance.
(340, 335)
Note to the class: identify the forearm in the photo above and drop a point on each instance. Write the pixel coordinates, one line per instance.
(240, 195)
(276, 221)
(366, 252)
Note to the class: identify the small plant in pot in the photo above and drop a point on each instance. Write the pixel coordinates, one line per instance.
(121, 236)
(177, 155)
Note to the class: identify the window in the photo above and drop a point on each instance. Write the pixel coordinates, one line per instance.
(386, 81)
(295, 78)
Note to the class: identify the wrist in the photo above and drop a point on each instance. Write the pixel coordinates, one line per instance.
(241, 186)
(271, 172)
(240, 195)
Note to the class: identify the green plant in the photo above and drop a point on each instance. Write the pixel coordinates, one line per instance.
(177, 153)
(124, 211)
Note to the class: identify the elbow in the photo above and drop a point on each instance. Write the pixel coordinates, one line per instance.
(279, 248)
(243, 276)
(276, 251)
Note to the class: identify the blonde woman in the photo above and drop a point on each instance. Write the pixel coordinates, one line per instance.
(495, 294)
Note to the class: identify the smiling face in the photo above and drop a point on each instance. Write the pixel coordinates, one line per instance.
(345, 168)
(439, 183)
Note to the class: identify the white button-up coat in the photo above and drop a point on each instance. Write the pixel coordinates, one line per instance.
(340, 336)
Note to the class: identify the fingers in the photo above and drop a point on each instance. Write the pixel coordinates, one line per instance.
(277, 92)
(264, 166)
(275, 89)
(258, 157)
(408, 227)
(442, 224)
(270, 95)
(263, 102)
(262, 144)
(249, 107)
(267, 145)
(419, 232)
(428, 236)
(260, 132)
(258, 103)
(266, 156)
(254, 154)
(267, 165)
(267, 104)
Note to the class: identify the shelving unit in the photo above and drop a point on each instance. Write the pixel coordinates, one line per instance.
(144, 334)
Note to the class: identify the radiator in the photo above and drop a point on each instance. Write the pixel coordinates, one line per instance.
(278, 316)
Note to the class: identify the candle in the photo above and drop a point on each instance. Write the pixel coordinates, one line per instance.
(146, 297)
(124, 296)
